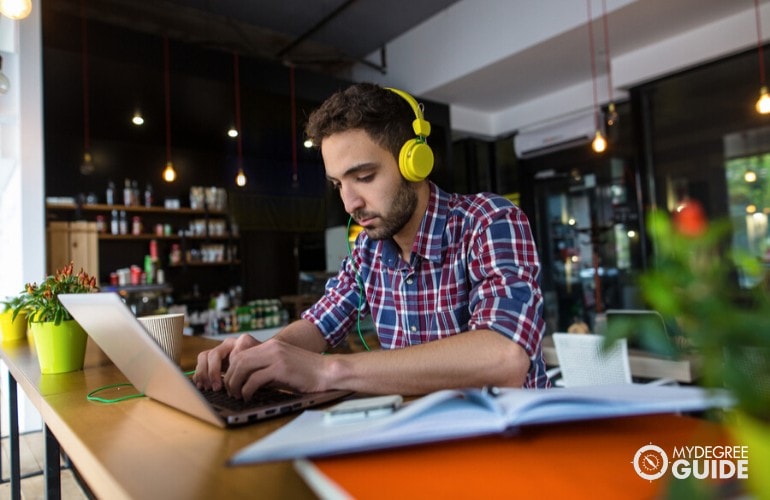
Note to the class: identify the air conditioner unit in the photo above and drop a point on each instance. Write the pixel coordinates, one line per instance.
(565, 133)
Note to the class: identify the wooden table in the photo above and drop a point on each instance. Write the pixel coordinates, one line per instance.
(139, 448)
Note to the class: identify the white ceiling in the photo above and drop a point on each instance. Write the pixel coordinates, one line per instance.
(501, 65)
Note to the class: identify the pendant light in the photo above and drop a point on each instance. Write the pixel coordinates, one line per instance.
(87, 167)
(763, 103)
(612, 114)
(599, 143)
(169, 174)
(240, 177)
(15, 9)
(293, 103)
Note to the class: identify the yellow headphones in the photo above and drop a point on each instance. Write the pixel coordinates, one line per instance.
(416, 158)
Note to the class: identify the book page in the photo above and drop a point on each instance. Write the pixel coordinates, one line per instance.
(542, 406)
(440, 415)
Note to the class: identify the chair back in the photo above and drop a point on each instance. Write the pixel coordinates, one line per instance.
(584, 361)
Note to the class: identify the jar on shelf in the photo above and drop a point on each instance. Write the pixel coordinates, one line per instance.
(101, 224)
(136, 225)
(175, 257)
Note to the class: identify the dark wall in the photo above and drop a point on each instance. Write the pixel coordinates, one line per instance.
(282, 219)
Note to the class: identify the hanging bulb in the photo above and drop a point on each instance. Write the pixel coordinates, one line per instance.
(763, 103)
(87, 167)
(240, 178)
(232, 132)
(169, 174)
(612, 114)
(137, 119)
(15, 9)
(600, 143)
(5, 83)
(750, 176)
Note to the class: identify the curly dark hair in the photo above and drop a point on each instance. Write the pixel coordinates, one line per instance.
(383, 114)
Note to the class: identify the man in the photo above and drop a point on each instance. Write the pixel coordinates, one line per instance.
(451, 281)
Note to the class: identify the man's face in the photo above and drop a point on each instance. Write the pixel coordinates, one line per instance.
(370, 185)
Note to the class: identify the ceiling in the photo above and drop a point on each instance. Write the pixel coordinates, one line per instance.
(500, 64)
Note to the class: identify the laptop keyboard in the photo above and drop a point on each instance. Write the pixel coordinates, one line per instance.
(264, 396)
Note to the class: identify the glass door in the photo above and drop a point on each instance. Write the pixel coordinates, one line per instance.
(586, 234)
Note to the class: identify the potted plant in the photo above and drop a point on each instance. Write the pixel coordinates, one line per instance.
(59, 340)
(694, 284)
(12, 327)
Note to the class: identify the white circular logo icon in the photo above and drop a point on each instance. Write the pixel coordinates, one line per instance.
(650, 462)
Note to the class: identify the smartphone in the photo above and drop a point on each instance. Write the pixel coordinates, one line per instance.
(362, 408)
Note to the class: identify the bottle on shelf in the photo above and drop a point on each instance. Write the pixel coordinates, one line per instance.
(110, 193)
(123, 222)
(115, 223)
(128, 193)
(135, 196)
(148, 196)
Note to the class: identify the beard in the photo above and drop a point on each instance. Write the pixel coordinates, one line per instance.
(401, 209)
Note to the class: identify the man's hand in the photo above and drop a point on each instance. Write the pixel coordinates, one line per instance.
(212, 364)
(274, 362)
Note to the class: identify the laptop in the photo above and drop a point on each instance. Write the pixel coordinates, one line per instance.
(115, 329)
(646, 329)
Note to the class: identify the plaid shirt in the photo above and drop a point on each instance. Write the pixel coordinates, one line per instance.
(473, 266)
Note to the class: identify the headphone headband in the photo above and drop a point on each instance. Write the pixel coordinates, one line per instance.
(420, 125)
(416, 158)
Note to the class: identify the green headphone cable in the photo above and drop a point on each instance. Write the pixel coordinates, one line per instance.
(360, 284)
(92, 396)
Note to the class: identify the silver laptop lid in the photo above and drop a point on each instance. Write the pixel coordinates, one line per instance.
(115, 329)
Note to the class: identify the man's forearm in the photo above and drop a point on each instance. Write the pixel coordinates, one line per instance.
(471, 359)
(304, 334)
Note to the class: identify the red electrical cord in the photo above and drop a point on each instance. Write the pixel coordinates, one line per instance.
(167, 91)
(593, 63)
(237, 90)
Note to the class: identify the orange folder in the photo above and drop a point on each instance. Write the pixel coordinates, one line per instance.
(590, 459)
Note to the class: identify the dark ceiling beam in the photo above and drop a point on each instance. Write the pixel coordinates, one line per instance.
(203, 28)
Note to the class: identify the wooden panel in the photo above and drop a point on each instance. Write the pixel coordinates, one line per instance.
(73, 241)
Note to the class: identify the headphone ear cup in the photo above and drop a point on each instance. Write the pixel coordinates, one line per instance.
(415, 160)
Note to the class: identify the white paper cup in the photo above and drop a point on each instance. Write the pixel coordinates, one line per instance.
(167, 330)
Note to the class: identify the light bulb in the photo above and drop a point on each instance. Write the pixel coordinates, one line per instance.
(5, 83)
(87, 167)
(600, 143)
(240, 179)
(15, 9)
(232, 132)
(169, 174)
(137, 119)
(612, 114)
(750, 176)
(308, 143)
(763, 103)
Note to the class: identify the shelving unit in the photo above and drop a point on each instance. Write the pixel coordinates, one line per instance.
(207, 258)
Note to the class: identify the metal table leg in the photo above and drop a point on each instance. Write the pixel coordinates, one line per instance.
(13, 434)
(52, 465)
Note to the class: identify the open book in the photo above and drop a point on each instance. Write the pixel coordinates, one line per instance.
(455, 414)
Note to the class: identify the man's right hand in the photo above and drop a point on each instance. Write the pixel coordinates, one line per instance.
(214, 362)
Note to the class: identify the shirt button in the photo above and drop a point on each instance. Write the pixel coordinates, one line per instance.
(409, 281)
(413, 328)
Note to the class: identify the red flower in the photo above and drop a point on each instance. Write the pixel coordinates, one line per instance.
(690, 219)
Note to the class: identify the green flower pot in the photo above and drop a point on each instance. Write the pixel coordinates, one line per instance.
(13, 329)
(60, 349)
